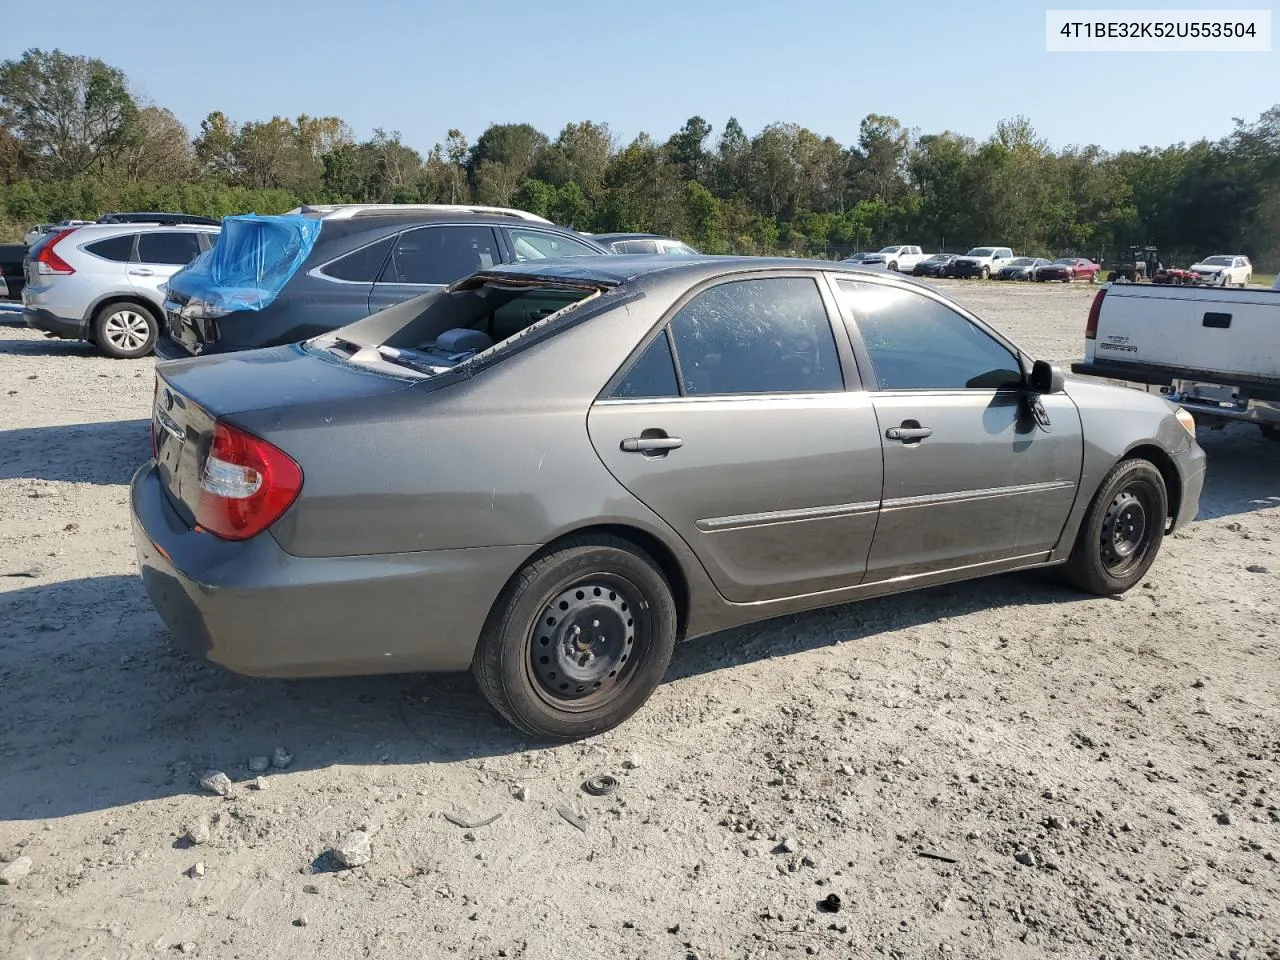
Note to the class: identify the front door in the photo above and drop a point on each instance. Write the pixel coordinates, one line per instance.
(734, 426)
(970, 477)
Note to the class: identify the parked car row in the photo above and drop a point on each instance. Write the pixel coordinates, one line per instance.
(982, 262)
(116, 282)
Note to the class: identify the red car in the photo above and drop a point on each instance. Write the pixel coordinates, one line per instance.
(1067, 269)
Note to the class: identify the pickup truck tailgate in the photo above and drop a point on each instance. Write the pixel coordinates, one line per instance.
(1235, 333)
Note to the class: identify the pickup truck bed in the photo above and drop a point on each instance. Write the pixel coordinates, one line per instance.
(1215, 351)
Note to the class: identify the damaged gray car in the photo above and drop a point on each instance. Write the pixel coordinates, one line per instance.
(549, 473)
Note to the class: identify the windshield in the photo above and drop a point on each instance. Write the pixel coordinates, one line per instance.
(1021, 262)
(979, 252)
(1217, 261)
(1067, 260)
(889, 249)
(938, 257)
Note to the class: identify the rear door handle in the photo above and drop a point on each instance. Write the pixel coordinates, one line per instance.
(143, 272)
(908, 434)
(651, 444)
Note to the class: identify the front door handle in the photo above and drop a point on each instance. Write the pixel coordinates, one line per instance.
(908, 434)
(143, 272)
(651, 444)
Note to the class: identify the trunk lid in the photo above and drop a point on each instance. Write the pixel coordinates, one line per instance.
(192, 395)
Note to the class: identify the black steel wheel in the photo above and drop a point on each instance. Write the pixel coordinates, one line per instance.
(1122, 530)
(578, 640)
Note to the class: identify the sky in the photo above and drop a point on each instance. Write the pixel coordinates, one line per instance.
(423, 67)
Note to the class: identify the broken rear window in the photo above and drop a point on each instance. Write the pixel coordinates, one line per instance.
(441, 331)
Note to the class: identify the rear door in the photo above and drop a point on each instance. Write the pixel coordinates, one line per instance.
(159, 255)
(732, 422)
(428, 258)
(969, 476)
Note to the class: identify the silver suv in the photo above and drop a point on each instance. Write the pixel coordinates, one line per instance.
(103, 282)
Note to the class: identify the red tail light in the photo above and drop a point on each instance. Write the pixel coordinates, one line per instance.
(246, 485)
(1091, 325)
(48, 263)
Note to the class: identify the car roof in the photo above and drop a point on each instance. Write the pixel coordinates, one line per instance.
(611, 237)
(106, 229)
(370, 228)
(612, 270)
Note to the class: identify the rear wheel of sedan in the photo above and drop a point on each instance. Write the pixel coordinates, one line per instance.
(579, 639)
(125, 330)
(1122, 530)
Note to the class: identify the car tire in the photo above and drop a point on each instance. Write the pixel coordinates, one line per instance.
(532, 662)
(984, 273)
(894, 267)
(125, 330)
(1122, 530)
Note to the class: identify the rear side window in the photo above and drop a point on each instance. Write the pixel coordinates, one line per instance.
(360, 266)
(440, 255)
(917, 343)
(757, 336)
(173, 249)
(653, 375)
(118, 249)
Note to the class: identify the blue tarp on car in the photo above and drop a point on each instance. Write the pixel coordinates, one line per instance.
(251, 262)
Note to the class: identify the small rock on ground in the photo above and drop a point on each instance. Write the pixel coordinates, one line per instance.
(281, 758)
(15, 871)
(215, 781)
(355, 850)
(196, 871)
(197, 831)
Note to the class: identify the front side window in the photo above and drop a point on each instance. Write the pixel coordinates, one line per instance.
(440, 255)
(542, 245)
(769, 335)
(917, 343)
(170, 249)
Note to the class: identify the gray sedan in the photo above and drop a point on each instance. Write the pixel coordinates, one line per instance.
(551, 472)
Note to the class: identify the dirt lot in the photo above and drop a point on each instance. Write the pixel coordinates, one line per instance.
(999, 769)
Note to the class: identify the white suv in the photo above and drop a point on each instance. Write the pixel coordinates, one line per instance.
(1224, 270)
(103, 282)
(898, 257)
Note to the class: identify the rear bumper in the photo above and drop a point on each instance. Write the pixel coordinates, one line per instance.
(41, 319)
(167, 348)
(257, 610)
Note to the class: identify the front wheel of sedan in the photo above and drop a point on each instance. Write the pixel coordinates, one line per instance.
(578, 641)
(1122, 530)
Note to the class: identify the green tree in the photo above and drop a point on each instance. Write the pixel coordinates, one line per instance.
(71, 113)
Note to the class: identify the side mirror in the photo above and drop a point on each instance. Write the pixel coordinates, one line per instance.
(1046, 378)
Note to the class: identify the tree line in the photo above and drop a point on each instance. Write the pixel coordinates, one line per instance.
(75, 142)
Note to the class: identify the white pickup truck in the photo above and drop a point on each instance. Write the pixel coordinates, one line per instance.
(1213, 351)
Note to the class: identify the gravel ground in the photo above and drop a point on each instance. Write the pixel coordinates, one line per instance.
(997, 769)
